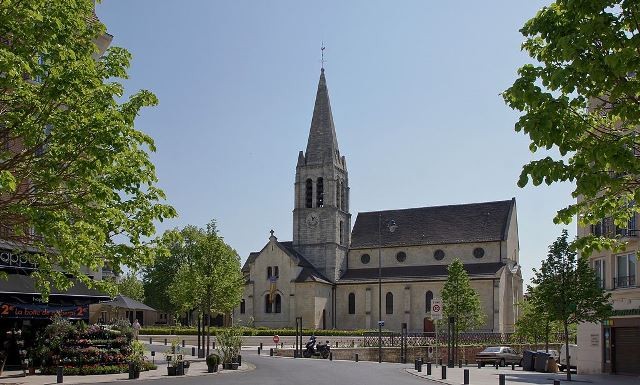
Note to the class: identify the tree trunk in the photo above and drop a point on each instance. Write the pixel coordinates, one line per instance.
(566, 345)
(208, 329)
(546, 335)
(199, 332)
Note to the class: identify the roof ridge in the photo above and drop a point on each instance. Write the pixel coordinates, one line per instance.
(439, 206)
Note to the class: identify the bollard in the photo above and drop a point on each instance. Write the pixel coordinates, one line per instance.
(183, 343)
(165, 341)
(336, 344)
(239, 360)
(270, 352)
(460, 363)
(356, 357)
(556, 382)
(259, 350)
(60, 375)
(479, 365)
(150, 340)
(260, 345)
(444, 372)
(440, 362)
(213, 345)
(513, 366)
(428, 368)
(330, 356)
(281, 345)
(415, 364)
(501, 379)
(193, 351)
(466, 377)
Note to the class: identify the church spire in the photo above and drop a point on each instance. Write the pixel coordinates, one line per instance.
(322, 146)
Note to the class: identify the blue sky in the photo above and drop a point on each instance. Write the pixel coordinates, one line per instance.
(414, 88)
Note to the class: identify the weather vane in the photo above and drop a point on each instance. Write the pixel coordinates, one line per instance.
(322, 61)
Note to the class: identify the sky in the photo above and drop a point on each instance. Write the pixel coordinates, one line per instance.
(415, 93)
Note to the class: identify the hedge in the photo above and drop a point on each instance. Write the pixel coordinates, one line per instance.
(251, 331)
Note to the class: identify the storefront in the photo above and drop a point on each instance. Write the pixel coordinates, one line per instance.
(23, 313)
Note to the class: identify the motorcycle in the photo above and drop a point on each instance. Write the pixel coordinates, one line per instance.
(319, 350)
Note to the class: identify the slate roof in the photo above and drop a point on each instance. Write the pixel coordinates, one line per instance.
(416, 272)
(249, 261)
(475, 222)
(19, 283)
(124, 302)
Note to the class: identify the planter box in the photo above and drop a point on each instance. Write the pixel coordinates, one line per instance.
(230, 366)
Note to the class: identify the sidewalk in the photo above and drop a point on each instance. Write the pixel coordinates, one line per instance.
(490, 376)
(198, 368)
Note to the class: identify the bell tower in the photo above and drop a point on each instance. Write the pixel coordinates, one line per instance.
(321, 219)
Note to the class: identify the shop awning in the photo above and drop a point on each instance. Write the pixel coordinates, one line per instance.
(23, 285)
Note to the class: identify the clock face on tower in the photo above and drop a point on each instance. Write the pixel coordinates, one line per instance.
(312, 220)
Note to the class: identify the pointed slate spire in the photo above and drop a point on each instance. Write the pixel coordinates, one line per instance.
(322, 146)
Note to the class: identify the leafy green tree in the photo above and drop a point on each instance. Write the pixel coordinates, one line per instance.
(460, 300)
(568, 289)
(158, 277)
(209, 279)
(534, 324)
(76, 181)
(130, 286)
(580, 97)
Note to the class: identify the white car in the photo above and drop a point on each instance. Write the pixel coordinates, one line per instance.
(573, 354)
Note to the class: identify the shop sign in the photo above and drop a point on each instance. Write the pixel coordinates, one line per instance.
(595, 339)
(9, 258)
(42, 311)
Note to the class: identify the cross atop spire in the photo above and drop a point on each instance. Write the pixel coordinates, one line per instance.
(322, 56)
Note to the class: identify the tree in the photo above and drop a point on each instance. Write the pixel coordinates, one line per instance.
(568, 289)
(460, 300)
(156, 278)
(581, 99)
(534, 324)
(210, 279)
(76, 182)
(130, 286)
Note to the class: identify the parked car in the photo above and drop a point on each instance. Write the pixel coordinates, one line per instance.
(502, 355)
(573, 354)
(553, 353)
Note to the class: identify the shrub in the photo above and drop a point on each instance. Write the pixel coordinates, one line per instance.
(230, 342)
(213, 360)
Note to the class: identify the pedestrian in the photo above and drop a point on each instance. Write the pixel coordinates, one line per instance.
(136, 329)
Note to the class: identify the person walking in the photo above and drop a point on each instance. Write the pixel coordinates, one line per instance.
(136, 329)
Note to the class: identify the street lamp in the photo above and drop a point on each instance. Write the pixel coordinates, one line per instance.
(391, 225)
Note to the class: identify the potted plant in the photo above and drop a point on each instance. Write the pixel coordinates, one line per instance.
(230, 342)
(213, 360)
(136, 359)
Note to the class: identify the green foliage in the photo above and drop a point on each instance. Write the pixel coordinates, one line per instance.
(136, 357)
(209, 278)
(213, 360)
(568, 289)
(76, 179)
(130, 286)
(534, 324)
(230, 342)
(460, 300)
(580, 98)
(156, 279)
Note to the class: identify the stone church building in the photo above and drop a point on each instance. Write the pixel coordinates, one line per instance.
(328, 274)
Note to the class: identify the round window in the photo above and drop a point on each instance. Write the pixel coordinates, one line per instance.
(401, 256)
(365, 258)
(478, 252)
(438, 255)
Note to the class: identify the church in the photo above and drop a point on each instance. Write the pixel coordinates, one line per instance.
(329, 274)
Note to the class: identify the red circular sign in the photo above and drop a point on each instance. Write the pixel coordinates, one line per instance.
(276, 339)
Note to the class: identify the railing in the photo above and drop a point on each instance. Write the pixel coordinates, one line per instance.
(622, 282)
(392, 339)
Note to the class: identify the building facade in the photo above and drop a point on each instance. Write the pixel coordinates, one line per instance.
(612, 346)
(328, 274)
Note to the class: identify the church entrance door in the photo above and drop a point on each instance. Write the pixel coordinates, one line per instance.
(429, 326)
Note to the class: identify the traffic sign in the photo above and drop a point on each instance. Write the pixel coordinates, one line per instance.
(436, 309)
(276, 338)
(381, 323)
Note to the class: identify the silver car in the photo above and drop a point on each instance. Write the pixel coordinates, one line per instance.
(501, 355)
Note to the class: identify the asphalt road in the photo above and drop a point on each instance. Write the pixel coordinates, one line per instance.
(288, 371)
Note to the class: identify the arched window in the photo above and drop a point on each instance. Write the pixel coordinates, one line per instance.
(269, 272)
(319, 192)
(276, 273)
(428, 299)
(389, 303)
(267, 304)
(352, 303)
(308, 194)
(242, 307)
(278, 304)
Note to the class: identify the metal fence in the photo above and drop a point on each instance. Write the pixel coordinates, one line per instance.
(393, 339)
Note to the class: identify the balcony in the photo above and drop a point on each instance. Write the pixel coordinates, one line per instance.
(624, 282)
